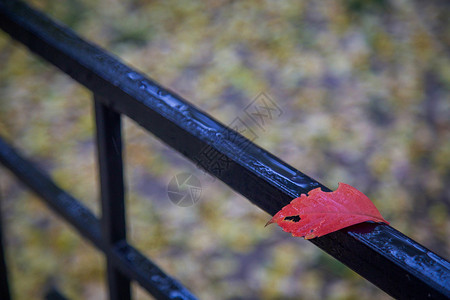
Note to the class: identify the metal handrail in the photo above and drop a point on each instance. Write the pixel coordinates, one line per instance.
(395, 263)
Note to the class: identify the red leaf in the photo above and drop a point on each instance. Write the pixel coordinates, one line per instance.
(320, 213)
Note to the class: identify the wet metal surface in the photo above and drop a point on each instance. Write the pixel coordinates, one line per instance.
(128, 260)
(378, 252)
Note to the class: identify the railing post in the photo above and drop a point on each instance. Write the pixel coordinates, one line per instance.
(4, 287)
(109, 145)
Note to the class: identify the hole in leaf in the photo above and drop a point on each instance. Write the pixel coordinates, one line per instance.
(293, 218)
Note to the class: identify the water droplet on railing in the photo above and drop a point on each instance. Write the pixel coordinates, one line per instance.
(176, 295)
(100, 57)
(143, 85)
(186, 113)
(130, 256)
(148, 87)
(134, 75)
(190, 123)
(300, 181)
(162, 92)
(181, 107)
(162, 281)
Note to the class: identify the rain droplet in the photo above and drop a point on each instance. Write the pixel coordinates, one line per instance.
(186, 113)
(143, 85)
(298, 179)
(176, 295)
(162, 92)
(180, 107)
(134, 75)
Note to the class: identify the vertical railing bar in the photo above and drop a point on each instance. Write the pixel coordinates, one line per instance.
(4, 286)
(109, 145)
(54, 294)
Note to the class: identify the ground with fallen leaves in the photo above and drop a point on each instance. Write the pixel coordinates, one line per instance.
(363, 86)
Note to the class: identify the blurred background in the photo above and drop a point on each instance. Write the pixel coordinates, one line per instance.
(364, 90)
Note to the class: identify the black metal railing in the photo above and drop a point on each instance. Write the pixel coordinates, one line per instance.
(384, 256)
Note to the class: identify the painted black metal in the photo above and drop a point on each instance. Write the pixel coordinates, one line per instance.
(4, 286)
(123, 256)
(109, 145)
(54, 294)
(61, 202)
(136, 266)
(381, 254)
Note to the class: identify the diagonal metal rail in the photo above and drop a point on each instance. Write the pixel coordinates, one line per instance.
(384, 256)
(122, 256)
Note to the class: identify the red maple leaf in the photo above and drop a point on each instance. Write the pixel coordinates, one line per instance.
(320, 213)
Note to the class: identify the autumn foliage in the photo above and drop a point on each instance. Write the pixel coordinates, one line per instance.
(320, 213)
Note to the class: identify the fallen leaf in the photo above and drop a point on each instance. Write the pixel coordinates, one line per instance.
(320, 213)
